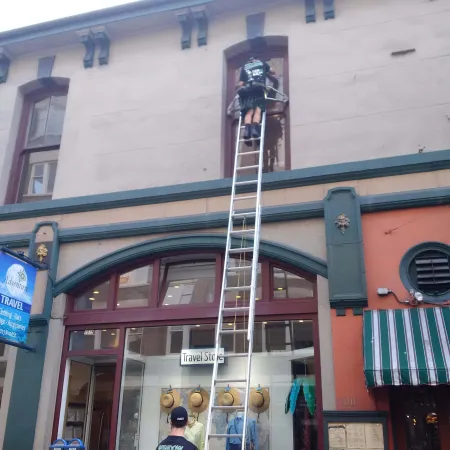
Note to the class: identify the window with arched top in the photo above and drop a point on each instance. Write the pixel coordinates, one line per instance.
(277, 144)
(190, 280)
(38, 142)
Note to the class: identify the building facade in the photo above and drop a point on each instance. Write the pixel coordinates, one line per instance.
(116, 150)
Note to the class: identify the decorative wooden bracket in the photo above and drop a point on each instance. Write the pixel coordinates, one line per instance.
(185, 20)
(201, 19)
(101, 38)
(5, 61)
(87, 39)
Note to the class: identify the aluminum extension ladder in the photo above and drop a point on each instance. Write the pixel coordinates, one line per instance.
(237, 221)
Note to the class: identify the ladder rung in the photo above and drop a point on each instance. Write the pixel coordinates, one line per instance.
(236, 309)
(248, 231)
(237, 407)
(235, 355)
(245, 214)
(244, 183)
(226, 435)
(234, 331)
(247, 197)
(255, 166)
(252, 152)
(233, 269)
(249, 140)
(237, 288)
(231, 380)
(241, 250)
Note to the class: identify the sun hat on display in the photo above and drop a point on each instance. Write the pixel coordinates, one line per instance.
(198, 400)
(259, 400)
(170, 399)
(229, 397)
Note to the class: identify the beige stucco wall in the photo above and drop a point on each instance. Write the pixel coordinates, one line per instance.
(307, 236)
(326, 346)
(153, 116)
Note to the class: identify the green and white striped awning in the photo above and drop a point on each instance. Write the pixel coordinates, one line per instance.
(407, 347)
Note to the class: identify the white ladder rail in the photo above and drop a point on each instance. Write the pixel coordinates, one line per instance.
(254, 274)
(254, 278)
(223, 293)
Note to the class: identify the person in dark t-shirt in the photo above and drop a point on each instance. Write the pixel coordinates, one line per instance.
(176, 439)
(252, 95)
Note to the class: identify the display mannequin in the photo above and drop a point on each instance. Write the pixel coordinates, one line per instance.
(195, 432)
(236, 426)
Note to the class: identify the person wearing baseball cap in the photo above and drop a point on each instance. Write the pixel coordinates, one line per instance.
(178, 421)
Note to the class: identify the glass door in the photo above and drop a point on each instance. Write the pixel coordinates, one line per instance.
(89, 401)
(78, 399)
(131, 393)
(418, 419)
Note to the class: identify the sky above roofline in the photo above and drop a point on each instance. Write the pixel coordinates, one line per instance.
(22, 13)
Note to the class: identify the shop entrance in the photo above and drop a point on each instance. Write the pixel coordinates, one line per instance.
(89, 401)
(421, 417)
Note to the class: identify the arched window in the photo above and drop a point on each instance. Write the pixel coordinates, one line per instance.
(187, 281)
(38, 142)
(151, 325)
(277, 148)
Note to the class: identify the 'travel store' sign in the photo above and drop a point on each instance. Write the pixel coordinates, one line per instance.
(200, 357)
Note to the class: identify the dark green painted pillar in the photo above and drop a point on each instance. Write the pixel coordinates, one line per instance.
(29, 367)
(345, 253)
(26, 390)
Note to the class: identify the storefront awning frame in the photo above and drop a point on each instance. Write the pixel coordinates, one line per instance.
(406, 347)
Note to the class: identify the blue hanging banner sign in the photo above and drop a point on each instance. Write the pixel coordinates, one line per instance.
(17, 284)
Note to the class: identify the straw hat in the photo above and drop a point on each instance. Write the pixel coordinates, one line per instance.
(198, 400)
(259, 400)
(169, 399)
(229, 397)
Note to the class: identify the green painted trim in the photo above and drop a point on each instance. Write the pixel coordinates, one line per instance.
(383, 167)
(53, 265)
(345, 250)
(38, 320)
(21, 240)
(187, 223)
(95, 18)
(403, 200)
(406, 261)
(284, 254)
(273, 214)
(25, 393)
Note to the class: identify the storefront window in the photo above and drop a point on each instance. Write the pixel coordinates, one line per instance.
(94, 298)
(94, 339)
(134, 287)
(283, 358)
(289, 285)
(184, 283)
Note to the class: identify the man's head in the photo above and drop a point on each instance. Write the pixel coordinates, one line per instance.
(178, 417)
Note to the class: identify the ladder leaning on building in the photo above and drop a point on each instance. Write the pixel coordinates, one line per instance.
(242, 242)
